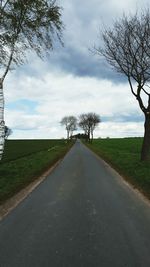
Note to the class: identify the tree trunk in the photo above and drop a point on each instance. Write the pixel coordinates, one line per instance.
(2, 123)
(67, 134)
(145, 153)
(91, 136)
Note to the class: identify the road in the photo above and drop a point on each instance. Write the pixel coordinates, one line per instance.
(82, 215)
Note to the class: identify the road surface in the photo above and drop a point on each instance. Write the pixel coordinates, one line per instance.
(82, 215)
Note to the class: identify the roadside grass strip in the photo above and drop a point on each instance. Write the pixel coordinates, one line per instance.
(123, 154)
(26, 160)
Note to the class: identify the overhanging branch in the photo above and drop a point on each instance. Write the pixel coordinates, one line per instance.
(145, 92)
(132, 90)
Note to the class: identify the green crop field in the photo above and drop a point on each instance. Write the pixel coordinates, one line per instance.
(25, 160)
(124, 155)
(15, 149)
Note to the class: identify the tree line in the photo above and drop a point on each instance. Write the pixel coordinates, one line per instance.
(86, 121)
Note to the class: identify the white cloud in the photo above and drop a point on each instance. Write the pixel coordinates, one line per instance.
(59, 94)
(114, 130)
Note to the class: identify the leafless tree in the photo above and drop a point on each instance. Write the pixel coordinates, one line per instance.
(95, 120)
(88, 123)
(25, 25)
(83, 124)
(70, 123)
(127, 49)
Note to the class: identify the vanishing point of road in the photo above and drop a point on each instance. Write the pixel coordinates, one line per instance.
(82, 215)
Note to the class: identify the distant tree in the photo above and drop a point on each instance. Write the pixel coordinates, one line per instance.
(79, 136)
(127, 49)
(8, 132)
(88, 123)
(70, 123)
(83, 124)
(95, 120)
(25, 25)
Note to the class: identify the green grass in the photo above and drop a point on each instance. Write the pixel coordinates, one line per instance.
(124, 155)
(25, 160)
(15, 149)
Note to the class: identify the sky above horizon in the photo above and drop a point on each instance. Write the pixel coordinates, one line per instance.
(72, 80)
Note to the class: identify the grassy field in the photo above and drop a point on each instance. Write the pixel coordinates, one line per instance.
(124, 155)
(25, 160)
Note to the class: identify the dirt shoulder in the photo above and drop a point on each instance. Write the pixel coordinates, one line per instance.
(11, 203)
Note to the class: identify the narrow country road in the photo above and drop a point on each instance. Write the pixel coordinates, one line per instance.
(82, 215)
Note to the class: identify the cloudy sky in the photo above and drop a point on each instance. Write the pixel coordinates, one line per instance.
(74, 81)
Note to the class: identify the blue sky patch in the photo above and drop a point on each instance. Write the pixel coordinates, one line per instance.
(23, 105)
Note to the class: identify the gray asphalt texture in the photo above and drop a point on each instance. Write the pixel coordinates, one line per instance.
(82, 215)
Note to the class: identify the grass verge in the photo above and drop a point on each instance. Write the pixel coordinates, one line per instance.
(18, 172)
(124, 155)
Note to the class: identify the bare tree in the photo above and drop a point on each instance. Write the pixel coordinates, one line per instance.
(95, 120)
(70, 123)
(127, 49)
(88, 123)
(25, 25)
(83, 124)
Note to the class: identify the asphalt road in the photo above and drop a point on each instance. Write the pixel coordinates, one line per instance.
(82, 215)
